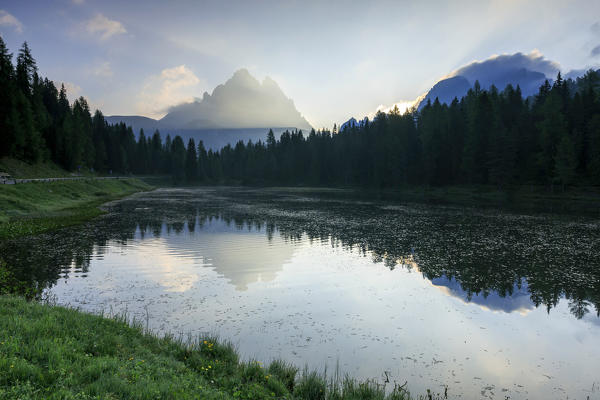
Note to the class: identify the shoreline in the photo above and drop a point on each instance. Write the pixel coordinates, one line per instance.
(97, 356)
(36, 207)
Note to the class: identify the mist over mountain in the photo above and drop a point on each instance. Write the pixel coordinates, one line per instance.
(240, 109)
(241, 102)
(528, 71)
(149, 125)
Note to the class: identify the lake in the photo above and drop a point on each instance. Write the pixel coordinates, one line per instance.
(488, 303)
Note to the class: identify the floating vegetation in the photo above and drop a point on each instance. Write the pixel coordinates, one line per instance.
(482, 251)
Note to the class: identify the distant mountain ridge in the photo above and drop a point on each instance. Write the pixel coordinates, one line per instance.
(149, 125)
(528, 71)
(458, 86)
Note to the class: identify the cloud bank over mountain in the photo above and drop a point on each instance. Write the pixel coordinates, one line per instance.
(241, 102)
(498, 66)
(527, 70)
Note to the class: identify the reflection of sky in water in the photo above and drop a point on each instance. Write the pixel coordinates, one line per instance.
(321, 304)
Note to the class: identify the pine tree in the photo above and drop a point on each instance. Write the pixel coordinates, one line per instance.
(191, 162)
(178, 159)
(202, 162)
(99, 134)
(142, 154)
(82, 134)
(565, 161)
(7, 133)
(551, 128)
(26, 68)
(156, 153)
(167, 155)
(594, 165)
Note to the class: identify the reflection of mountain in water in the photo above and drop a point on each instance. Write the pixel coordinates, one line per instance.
(518, 301)
(239, 255)
(500, 261)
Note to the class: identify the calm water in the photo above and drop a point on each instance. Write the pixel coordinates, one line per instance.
(491, 304)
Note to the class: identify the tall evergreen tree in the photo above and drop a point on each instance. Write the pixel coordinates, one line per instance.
(191, 162)
(178, 159)
(7, 107)
(565, 161)
(203, 166)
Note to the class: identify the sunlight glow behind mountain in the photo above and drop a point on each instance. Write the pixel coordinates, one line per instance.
(118, 53)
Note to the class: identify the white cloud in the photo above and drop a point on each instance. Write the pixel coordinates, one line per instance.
(403, 106)
(104, 27)
(103, 70)
(7, 19)
(78, 2)
(533, 61)
(172, 86)
(73, 90)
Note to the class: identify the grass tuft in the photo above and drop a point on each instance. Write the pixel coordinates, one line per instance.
(51, 352)
(285, 372)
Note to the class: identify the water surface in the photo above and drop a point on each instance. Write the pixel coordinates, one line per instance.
(490, 304)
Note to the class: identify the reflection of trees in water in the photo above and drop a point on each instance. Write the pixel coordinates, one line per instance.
(484, 253)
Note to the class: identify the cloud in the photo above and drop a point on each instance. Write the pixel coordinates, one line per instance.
(496, 64)
(103, 70)
(403, 106)
(172, 86)
(78, 2)
(595, 51)
(595, 28)
(73, 90)
(104, 27)
(7, 19)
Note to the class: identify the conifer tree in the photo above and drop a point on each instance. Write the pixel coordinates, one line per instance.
(177, 159)
(7, 132)
(202, 162)
(565, 161)
(191, 162)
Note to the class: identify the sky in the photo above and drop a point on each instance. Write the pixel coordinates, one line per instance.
(334, 59)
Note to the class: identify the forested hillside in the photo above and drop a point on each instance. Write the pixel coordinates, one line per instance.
(487, 137)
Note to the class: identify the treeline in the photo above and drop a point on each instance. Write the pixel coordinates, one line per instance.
(37, 122)
(487, 137)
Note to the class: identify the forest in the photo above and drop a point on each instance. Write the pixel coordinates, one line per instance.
(488, 137)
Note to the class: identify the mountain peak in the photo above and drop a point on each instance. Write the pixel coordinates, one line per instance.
(241, 102)
(242, 77)
(242, 72)
(526, 70)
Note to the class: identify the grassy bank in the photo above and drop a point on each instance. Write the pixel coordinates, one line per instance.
(22, 170)
(53, 352)
(32, 208)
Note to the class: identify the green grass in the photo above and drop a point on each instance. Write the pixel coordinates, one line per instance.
(31, 208)
(22, 170)
(50, 352)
